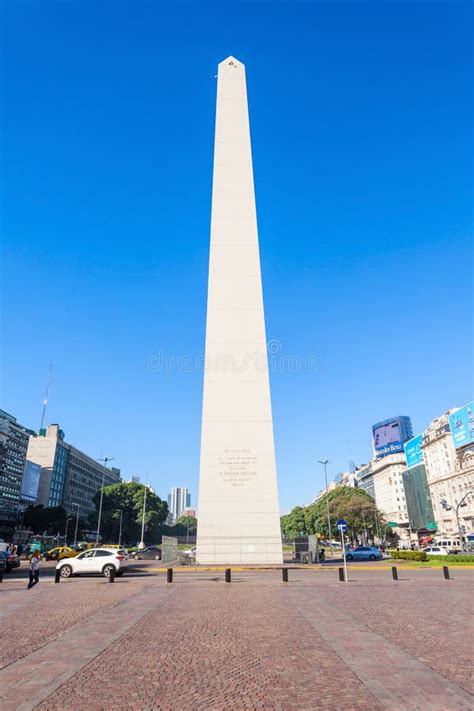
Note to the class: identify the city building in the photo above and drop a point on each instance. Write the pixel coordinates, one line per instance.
(132, 480)
(418, 499)
(417, 493)
(390, 435)
(387, 476)
(365, 479)
(179, 499)
(448, 455)
(322, 492)
(68, 477)
(189, 512)
(14, 440)
(348, 478)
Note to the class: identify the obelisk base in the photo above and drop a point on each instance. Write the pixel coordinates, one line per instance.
(239, 550)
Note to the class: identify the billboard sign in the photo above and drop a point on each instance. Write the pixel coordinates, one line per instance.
(462, 425)
(30, 482)
(413, 451)
(387, 438)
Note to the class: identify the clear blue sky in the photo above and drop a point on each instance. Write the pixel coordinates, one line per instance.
(361, 128)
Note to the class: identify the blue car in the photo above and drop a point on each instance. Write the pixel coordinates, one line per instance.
(364, 553)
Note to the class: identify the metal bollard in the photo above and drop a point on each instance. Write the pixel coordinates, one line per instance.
(394, 573)
(111, 574)
(446, 572)
(341, 575)
(57, 575)
(284, 572)
(227, 575)
(169, 575)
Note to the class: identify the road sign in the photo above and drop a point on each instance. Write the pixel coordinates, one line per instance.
(342, 526)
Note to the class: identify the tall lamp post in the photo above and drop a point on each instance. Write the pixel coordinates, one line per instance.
(77, 524)
(105, 460)
(141, 545)
(65, 532)
(120, 528)
(365, 530)
(325, 463)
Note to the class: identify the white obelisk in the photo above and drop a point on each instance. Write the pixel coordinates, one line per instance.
(238, 512)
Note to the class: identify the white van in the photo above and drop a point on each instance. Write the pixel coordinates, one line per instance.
(453, 545)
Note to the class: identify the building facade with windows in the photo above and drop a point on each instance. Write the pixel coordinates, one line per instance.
(68, 477)
(389, 492)
(14, 440)
(365, 479)
(348, 478)
(450, 476)
(418, 498)
(179, 499)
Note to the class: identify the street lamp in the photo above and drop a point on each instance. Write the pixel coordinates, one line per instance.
(141, 545)
(77, 524)
(65, 532)
(365, 530)
(325, 463)
(105, 460)
(120, 528)
(449, 507)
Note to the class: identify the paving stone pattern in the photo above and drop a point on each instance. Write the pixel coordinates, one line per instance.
(216, 647)
(257, 643)
(40, 617)
(432, 625)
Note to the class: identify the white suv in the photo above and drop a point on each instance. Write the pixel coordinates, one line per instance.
(95, 560)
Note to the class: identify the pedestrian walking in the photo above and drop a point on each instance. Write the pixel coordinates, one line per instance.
(34, 569)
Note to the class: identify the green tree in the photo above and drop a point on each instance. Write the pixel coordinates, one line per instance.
(295, 523)
(354, 505)
(46, 519)
(128, 498)
(188, 523)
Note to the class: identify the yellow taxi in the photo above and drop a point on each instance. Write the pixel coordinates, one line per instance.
(60, 552)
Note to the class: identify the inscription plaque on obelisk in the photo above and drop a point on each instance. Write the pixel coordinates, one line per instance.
(238, 512)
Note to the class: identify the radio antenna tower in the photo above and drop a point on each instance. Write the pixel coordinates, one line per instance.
(46, 395)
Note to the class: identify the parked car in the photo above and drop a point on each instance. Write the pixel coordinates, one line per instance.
(3, 565)
(436, 550)
(59, 553)
(95, 560)
(191, 552)
(364, 553)
(149, 553)
(12, 561)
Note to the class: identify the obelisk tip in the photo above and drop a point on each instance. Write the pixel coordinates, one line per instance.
(231, 66)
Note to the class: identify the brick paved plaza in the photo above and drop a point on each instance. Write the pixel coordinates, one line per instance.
(258, 643)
